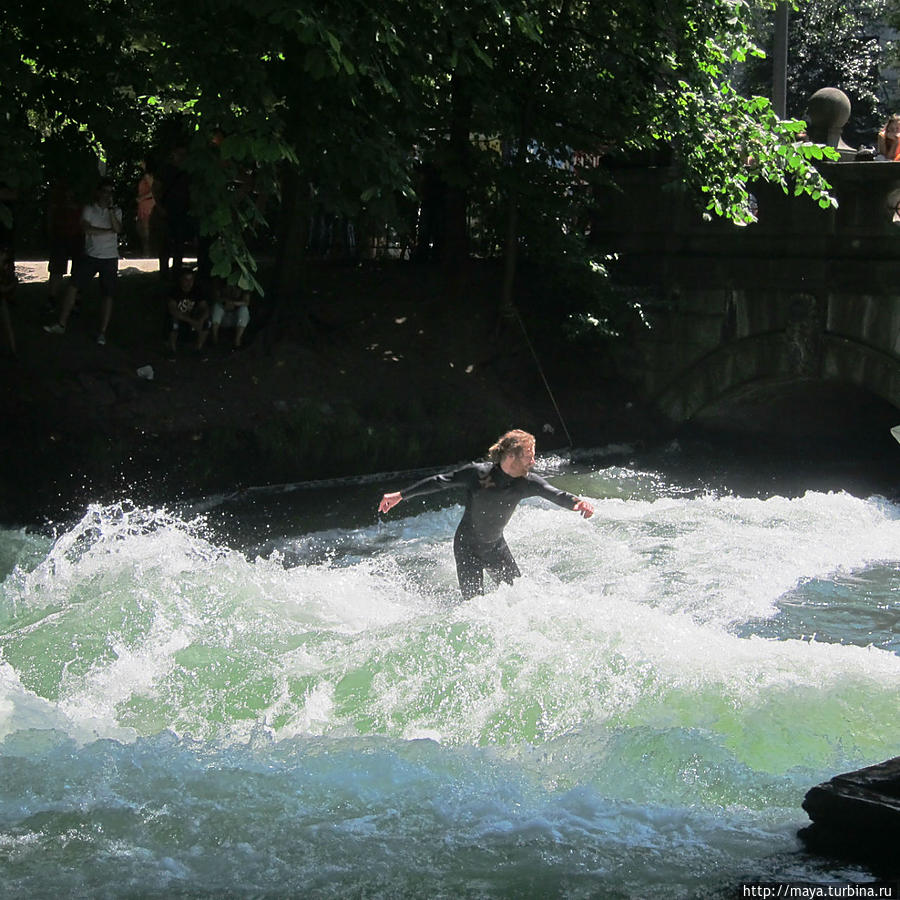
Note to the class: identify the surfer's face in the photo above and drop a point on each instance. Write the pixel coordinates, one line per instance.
(521, 462)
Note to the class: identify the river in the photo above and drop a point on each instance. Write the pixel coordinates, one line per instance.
(278, 695)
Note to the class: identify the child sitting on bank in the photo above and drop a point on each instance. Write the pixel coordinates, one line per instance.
(231, 309)
(188, 311)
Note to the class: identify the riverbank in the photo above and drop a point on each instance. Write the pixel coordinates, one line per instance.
(373, 370)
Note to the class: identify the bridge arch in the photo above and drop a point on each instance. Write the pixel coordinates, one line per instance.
(769, 361)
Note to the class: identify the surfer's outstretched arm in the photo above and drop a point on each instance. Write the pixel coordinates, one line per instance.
(461, 477)
(388, 501)
(540, 487)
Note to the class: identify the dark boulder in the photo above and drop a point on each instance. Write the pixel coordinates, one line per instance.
(856, 816)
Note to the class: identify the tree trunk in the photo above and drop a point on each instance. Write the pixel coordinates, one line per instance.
(506, 307)
(287, 285)
(457, 174)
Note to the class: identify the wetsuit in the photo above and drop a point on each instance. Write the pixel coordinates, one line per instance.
(491, 497)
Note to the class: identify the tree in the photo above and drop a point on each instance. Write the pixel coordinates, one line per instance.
(831, 44)
(343, 99)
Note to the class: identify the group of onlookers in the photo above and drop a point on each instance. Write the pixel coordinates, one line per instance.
(191, 315)
(194, 307)
(84, 242)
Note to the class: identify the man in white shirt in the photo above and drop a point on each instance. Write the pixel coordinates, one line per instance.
(101, 222)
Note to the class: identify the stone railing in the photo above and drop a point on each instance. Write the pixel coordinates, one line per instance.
(661, 235)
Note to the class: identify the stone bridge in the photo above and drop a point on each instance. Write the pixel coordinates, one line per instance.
(803, 296)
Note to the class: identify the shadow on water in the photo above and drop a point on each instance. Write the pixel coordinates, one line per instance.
(767, 467)
(260, 519)
(807, 436)
(790, 439)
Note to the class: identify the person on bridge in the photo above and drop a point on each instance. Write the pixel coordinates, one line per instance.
(889, 139)
(493, 490)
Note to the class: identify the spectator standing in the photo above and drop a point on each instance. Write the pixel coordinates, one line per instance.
(66, 238)
(101, 222)
(8, 283)
(145, 203)
(8, 201)
(172, 193)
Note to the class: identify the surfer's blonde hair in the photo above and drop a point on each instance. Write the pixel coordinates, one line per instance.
(514, 442)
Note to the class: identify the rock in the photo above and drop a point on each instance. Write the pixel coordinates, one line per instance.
(857, 816)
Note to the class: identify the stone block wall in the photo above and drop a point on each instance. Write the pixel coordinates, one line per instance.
(805, 293)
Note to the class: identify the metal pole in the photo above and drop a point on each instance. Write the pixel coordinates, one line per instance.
(779, 59)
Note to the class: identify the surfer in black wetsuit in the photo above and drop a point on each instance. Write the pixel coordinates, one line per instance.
(493, 490)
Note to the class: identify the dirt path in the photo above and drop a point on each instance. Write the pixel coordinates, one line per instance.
(29, 271)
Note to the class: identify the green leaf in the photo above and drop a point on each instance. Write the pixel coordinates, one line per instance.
(334, 42)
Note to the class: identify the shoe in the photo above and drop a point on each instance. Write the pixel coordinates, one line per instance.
(101, 339)
(55, 328)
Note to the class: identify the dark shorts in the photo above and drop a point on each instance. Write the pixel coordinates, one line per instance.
(89, 266)
(473, 557)
(62, 251)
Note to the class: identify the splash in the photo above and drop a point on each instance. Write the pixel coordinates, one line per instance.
(638, 709)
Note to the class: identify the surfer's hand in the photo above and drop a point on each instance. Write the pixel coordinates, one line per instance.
(585, 508)
(388, 501)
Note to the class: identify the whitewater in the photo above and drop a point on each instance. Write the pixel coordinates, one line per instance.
(280, 695)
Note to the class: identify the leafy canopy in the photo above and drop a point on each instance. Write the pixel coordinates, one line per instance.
(349, 94)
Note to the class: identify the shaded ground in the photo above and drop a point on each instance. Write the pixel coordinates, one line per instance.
(372, 370)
